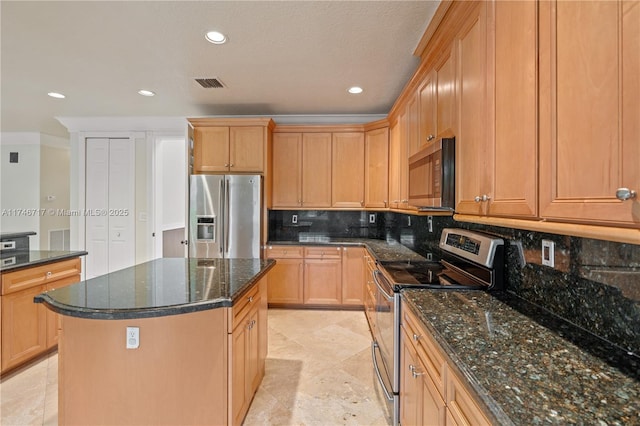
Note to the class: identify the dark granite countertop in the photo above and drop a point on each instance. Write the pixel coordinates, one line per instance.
(9, 235)
(528, 366)
(168, 286)
(382, 250)
(18, 259)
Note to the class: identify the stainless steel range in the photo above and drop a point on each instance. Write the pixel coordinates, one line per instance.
(469, 261)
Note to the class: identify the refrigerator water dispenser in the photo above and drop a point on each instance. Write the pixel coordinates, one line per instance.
(206, 228)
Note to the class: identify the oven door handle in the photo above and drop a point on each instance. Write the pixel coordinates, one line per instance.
(375, 279)
(374, 345)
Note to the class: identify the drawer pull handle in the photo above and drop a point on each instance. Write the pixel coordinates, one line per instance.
(250, 298)
(416, 337)
(49, 274)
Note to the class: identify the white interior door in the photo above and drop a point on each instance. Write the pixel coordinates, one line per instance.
(109, 205)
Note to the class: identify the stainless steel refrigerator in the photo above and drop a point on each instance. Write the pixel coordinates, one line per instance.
(224, 216)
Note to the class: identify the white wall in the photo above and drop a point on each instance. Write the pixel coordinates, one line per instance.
(20, 184)
(54, 182)
(173, 182)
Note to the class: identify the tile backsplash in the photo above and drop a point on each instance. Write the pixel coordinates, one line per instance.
(595, 284)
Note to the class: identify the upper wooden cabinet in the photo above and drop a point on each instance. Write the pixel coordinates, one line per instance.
(413, 124)
(437, 99)
(316, 170)
(301, 170)
(496, 143)
(474, 153)
(376, 179)
(230, 145)
(287, 170)
(589, 111)
(347, 183)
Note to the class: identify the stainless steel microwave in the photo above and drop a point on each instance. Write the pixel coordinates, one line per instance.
(432, 176)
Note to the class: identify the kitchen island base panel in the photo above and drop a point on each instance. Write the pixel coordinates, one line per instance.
(177, 375)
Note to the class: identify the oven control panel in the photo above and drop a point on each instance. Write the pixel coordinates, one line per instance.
(474, 246)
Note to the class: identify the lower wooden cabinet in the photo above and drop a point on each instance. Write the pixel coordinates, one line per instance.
(247, 350)
(316, 275)
(431, 392)
(29, 329)
(369, 291)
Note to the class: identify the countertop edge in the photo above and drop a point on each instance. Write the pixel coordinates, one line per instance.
(68, 255)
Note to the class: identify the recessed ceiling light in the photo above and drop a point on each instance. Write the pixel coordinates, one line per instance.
(216, 37)
(355, 90)
(56, 95)
(146, 92)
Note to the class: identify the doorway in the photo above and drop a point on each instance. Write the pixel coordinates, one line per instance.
(170, 196)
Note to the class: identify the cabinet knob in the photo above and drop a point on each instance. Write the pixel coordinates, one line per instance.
(49, 274)
(226, 164)
(430, 137)
(250, 298)
(362, 203)
(483, 197)
(404, 201)
(625, 194)
(231, 165)
(416, 337)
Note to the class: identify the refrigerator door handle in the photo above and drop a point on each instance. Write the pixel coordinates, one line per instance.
(226, 217)
(222, 218)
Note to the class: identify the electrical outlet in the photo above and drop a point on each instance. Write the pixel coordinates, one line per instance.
(133, 337)
(548, 253)
(294, 219)
(430, 223)
(372, 218)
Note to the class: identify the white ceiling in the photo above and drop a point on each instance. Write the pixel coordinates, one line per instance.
(282, 57)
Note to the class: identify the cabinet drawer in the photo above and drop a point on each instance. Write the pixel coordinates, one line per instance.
(461, 404)
(421, 340)
(38, 275)
(284, 252)
(327, 252)
(243, 305)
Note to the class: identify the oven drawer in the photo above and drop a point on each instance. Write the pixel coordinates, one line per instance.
(421, 341)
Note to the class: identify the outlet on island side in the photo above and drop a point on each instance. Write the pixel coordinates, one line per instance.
(133, 337)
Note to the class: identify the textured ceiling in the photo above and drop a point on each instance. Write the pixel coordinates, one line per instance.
(286, 57)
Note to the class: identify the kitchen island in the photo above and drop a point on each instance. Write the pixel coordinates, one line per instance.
(170, 341)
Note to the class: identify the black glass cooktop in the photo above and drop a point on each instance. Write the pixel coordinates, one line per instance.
(413, 273)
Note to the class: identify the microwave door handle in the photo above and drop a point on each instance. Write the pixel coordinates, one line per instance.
(375, 278)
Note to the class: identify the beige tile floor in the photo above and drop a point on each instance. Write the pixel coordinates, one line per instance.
(318, 372)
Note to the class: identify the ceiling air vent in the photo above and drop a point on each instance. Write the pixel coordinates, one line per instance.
(210, 83)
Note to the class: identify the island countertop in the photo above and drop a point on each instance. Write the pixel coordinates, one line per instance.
(161, 287)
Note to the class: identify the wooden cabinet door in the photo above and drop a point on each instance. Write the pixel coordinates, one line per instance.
(474, 153)
(410, 387)
(413, 125)
(286, 282)
(428, 109)
(239, 372)
(53, 319)
(353, 275)
(210, 149)
(287, 170)
(461, 404)
(376, 179)
(515, 185)
(253, 352)
(347, 171)
(316, 170)
(246, 149)
(433, 407)
(23, 327)
(445, 93)
(394, 165)
(322, 281)
(589, 110)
